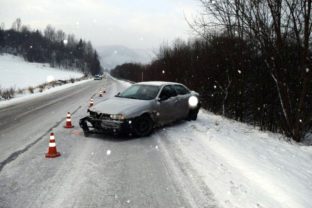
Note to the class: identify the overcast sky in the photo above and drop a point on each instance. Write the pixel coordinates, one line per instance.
(142, 24)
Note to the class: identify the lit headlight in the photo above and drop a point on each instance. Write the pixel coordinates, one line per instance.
(117, 117)
(193, 102)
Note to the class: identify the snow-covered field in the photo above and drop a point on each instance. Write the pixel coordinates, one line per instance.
(242, 166)
(17, 73)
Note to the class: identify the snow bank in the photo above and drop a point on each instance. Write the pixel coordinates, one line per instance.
(244, 167)
(19, 74)
(25, 97)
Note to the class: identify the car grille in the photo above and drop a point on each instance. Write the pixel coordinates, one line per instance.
(102, 116)
(93, 114)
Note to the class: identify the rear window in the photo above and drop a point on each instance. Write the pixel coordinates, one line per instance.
(181, 90)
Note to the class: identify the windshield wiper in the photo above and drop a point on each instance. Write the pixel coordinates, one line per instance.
(131, 97)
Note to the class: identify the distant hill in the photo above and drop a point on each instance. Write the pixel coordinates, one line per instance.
(113, 55)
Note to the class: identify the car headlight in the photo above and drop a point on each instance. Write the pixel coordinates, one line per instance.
(193, 102)
(117, 117)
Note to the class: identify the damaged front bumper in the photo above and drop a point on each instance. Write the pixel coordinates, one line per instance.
(94, 125)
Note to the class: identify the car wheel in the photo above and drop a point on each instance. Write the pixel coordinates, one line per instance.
(192, 116)
(143, 126)
(86, 133)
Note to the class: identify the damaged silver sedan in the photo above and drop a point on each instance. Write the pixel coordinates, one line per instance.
(142, 107)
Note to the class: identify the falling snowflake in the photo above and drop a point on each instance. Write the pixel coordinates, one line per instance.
(307, 70)
(65, 42)
(128, 201)
(30, 46)
(215, 86)
(50, 78)
(300, 120)
(239, 71)
(108, 152)
(163, 71)
(156, 147)
(115, 52)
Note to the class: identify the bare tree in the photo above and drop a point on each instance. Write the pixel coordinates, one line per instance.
(2, 26)
(60, 36)
(17, 24)
(225, 90)
(49, 33)
(274, 26)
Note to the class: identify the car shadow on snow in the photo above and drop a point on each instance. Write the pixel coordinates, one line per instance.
(116, 138)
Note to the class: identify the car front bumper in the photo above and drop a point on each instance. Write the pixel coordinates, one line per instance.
(94, 125)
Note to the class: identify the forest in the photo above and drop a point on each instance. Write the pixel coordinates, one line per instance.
(50, 46)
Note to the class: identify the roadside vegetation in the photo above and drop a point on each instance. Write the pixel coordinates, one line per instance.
(251, 62)
(9, 93)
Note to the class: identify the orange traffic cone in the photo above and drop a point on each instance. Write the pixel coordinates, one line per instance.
(52, 152)
(91, 103)
(68, 124)
(101, 93)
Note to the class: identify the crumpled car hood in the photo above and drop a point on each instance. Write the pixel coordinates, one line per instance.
(116, 105)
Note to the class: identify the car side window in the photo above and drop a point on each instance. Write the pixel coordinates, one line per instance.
(181, 90)
(167, 92)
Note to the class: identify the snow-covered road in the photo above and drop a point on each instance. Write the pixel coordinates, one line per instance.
(99, 171)
(211, 162)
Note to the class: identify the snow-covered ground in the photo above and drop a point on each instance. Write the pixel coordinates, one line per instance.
(243, 167)
(213, 157)
(17, 73)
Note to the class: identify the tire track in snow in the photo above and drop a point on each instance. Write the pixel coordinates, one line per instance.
(16, 154)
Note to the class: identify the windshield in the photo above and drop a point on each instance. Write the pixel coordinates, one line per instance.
(141, 92)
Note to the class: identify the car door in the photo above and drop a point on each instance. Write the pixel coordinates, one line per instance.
(167, 103)
(182, 105)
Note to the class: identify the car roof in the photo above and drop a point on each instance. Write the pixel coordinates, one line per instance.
(157, 83)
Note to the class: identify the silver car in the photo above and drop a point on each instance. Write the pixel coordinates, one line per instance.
(142, 107)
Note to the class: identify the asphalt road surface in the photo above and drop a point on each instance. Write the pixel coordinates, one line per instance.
(98, 171)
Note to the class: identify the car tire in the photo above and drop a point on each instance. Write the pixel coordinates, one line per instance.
(143, 126)
(192, 116)
(86, 133)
